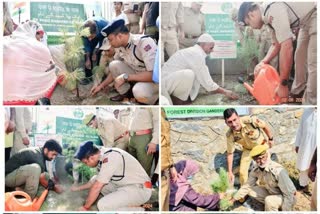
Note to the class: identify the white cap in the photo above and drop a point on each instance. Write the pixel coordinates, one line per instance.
(206, 38)
(197, 2)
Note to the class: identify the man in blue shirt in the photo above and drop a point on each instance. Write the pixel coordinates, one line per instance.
(95, 25)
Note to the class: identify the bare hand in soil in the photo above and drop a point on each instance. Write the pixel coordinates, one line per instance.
(222, 195)
(147, 206)
(94, 90)
(74, 188)
(231, 95)
(58, 188)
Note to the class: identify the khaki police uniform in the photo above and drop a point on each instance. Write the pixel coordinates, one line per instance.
(271, 186)
(193, 27)
(113, 133)
(184, 73)
(250, 135)
(133, 17)
(171, 18)
(137, 56)
(144, 129)
(23, 121)
(265, 44)
(166, 162)
(280, 17)
(127, 186)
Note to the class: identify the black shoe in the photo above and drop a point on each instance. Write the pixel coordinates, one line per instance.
(118, 98)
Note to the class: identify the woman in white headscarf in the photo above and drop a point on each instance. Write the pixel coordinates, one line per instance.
(28, 68)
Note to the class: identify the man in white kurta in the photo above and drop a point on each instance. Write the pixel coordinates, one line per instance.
(306, 142)
(186, 71)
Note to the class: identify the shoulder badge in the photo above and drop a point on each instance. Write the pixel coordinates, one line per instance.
(105, 160)
(147, 48)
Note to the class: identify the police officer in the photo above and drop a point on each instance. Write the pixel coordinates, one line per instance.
(133, 11)
(268, 183)
(287, 18)
(167, 165)
(138, 55)
(121, 179)
(171, 20)
(248, 132)
(28, 168)
(110, 130)
(184, 73)
(144, 135)
(193, 26)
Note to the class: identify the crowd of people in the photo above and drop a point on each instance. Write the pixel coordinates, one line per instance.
(267, 182)
(124, 47)
(185, 46)
(126, 162)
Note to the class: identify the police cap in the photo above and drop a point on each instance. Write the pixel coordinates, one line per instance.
(259, 150)
(112, 26)
(83, 149)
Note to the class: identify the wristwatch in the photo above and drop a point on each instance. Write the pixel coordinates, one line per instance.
(284, 82)
(126, 77)
(271, 138)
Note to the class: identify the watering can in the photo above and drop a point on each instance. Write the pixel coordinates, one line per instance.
(264, 86)
(12, 203)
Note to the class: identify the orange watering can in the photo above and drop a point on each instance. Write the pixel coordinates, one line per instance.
(12, 203)
(264, 86)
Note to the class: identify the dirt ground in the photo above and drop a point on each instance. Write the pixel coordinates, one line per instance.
(62, 96)
(303, 204)
(231, 83)
(72, 201)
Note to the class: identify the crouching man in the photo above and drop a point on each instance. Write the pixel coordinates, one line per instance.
(27, 168)
(268, 183)
(121, 179)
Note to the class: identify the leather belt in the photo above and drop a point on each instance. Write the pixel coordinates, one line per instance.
(140, 132)
(121, 136)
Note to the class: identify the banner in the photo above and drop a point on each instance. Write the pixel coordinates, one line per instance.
(189, 112)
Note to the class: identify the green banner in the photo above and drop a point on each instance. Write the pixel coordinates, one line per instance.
(220, 26)
(189, 112)
(73, 130)
(54, 16)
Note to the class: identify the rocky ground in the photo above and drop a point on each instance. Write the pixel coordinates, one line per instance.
(203, 140)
